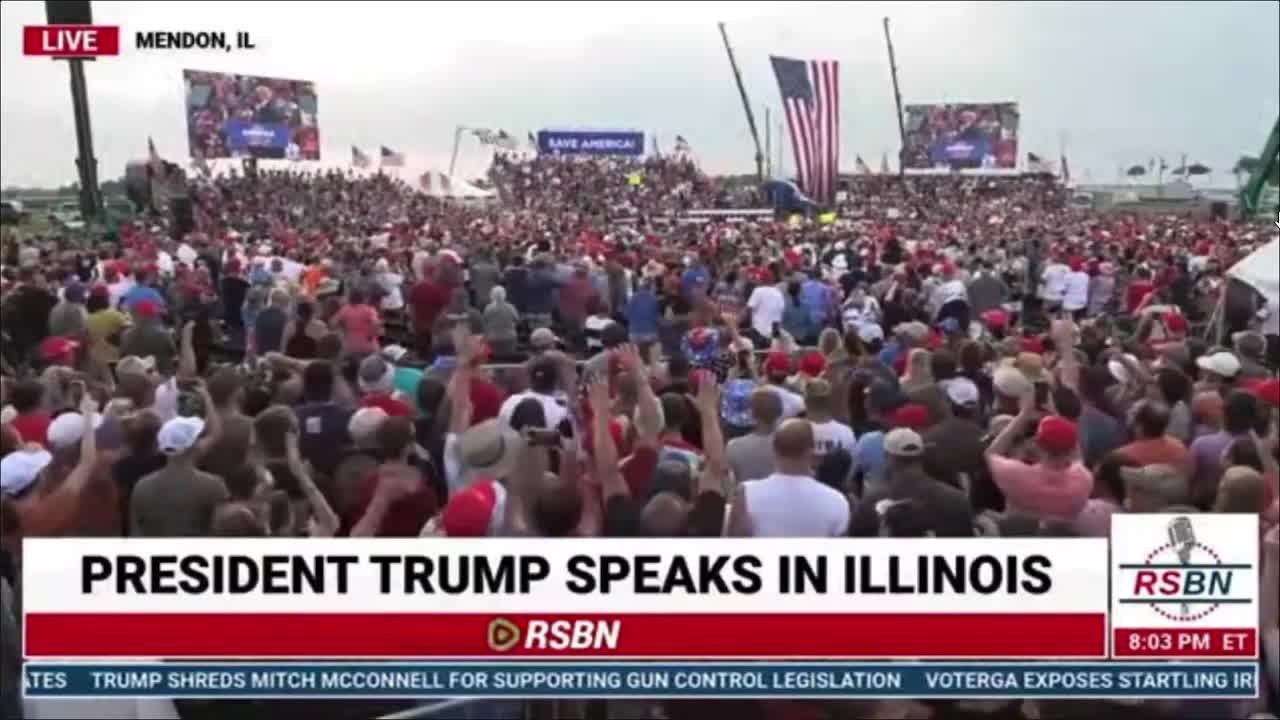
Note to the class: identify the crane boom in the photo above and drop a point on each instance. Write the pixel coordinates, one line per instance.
(746, 104)
(1267, 161)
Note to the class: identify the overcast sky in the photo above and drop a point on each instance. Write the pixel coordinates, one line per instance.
(1117, 82)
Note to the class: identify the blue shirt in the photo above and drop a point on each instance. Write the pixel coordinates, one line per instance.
(141, 293)
(889, 353)
(539, 287)
(642, 313)
(816, 298)
(406, 381)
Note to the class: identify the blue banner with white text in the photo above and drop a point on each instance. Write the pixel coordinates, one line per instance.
(242, 135)
(590, 142)
(536, 679)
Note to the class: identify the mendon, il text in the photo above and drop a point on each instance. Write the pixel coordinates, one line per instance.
(192, 40)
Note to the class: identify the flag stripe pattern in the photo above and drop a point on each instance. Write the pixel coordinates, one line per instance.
(358, 158)
(811, 99)
(390, 158)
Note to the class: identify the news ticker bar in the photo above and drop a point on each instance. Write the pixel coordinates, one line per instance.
(357, 680)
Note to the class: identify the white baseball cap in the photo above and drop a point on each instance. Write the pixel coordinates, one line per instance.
(394, 353)
(904, 442)
(1223, 364)
(179, 435)
(870, 332)
(962, 391)
(19, 469)
(67, 429)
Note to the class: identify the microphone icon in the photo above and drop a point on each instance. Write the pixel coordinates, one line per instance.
(1182, 537)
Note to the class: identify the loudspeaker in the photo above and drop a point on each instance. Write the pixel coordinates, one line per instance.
(183, 218)
(68, 12)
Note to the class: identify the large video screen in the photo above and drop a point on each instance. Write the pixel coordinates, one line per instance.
(961, 136)
(237, 116)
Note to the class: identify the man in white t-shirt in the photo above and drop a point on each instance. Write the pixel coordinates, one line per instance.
(1075, 297)
(790, 502)
(1053, 284)
(543, 381)
(766, 305)
(829, 435)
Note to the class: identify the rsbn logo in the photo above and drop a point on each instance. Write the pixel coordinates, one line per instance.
(1183, 579)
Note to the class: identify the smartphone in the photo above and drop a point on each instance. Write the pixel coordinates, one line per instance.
(1042, 395)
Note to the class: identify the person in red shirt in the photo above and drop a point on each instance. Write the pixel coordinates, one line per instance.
(1139, 288)
(396, 500)
(427, 300)
(31, 422)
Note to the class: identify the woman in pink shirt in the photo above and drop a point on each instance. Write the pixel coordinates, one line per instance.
(360, 325)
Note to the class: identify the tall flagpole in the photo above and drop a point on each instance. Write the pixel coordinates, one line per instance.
(768, 148)
(746, 104)
(782, 153)
(897, 100)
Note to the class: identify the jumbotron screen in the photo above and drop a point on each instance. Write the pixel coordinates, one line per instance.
(236, 116)
(961, 136)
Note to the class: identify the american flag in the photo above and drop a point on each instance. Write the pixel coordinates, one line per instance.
(861, 166)
(391, 158)
(811, 97)
(359, 159)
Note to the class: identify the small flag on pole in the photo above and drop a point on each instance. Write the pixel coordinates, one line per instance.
(359, 159)
(860, 165)
(1066, 172)
(533, 141)
(884, 163)
(1037, 165)
(682, 146)
(391, 158)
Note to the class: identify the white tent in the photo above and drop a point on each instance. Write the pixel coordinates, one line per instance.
(440, 185)
(1261, 271)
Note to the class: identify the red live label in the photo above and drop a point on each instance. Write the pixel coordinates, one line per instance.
(68, 41)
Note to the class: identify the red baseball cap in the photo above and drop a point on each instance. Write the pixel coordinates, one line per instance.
(1175, 322)
(813, 363)
(777, 362)
(1056, 434)
(100, 290)
(470, 511)
(1268, 391)
(57, 348)
(147, 309)
(913, 416)
(1033, 344)
(996, 319)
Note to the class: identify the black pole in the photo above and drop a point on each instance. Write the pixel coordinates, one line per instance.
(86, 163)
(746, 104)
(897, 100)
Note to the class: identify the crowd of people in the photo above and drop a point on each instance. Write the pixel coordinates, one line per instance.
(334, 354)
